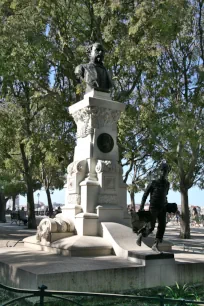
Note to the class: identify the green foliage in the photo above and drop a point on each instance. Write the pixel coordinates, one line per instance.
(187, 292)
(177, 292)
(169, 92)
(33, 114)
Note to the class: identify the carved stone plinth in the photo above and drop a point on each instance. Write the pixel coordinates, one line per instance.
(94, 179)
(87, 224)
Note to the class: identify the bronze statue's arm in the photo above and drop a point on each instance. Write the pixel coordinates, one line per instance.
(167, 192)
(145, 195)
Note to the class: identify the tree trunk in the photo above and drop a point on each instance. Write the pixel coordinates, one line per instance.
(49, 202)
(30, 206)
(2, 208)
(29, 183)
(132, 198)
(14, 203)
(185, 215)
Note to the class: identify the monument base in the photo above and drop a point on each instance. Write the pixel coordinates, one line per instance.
(109, 213)
(86, 224)
(71, 211)
(117, 237)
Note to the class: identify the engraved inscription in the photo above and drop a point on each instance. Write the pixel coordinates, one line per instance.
(109, 183)
(107, 199)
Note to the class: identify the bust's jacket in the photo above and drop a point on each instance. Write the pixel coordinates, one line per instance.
(88, 73)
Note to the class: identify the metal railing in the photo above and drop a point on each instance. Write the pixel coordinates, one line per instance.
(42, 292)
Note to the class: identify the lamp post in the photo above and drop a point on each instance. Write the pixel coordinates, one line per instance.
(38, 195)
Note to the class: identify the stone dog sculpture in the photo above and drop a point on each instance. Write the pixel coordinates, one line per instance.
(158, 190)
(94, 73)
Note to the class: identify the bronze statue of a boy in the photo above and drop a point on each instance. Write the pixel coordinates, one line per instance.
(94, 73)
(158, 190)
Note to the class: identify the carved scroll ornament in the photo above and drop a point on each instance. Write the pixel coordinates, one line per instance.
(92, 117)
(105, 166)
(76, 166)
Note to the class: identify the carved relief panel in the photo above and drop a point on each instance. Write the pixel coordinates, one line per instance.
(92, 117)
(109, 183)
(107, 175)
(76, 173)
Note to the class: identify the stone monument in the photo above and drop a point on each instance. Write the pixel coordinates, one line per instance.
(94, 221)
(95, 188)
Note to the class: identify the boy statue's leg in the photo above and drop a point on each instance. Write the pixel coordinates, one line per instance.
(146, 230)
(139, 239)
(160, 231)
(155, 246)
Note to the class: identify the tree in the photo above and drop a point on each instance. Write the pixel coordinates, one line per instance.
(10, 187)
(134, 157)
(158, 63)
(2, 206)
(52, 170)
(177, 92)
(32, 108)
(21, 74)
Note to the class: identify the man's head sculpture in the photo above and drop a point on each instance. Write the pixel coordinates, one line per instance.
(94, 74)
(164, 169)
(95, 53)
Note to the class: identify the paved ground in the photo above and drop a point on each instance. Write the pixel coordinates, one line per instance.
(11, 234)
(185, 250)
(27, 268)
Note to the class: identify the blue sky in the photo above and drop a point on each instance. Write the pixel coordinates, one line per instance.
(196, 197)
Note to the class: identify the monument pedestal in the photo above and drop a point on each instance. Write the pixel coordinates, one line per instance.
(89, 194)
(109, 213)
(86, 224)
(94, 180)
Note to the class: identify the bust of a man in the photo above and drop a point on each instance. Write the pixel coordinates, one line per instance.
(94, 73)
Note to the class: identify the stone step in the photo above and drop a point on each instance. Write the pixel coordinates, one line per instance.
(151, 258)
(80, 246)
(75, 246)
